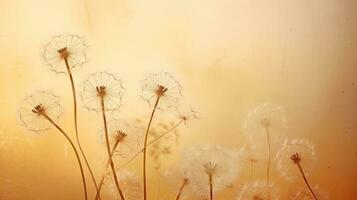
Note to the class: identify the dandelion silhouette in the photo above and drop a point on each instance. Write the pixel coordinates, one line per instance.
(125, 141)
(258, 190)
(260, 123)
(160, 91)
(41, 111)
(103, 92)
(62, 54)
(296, 154)
(210, 168)
(65, 52)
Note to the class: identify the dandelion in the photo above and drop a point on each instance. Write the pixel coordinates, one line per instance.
(102, 85)
(65, 52)
(160, 91)
(103, 92)
(258, 190)
(125, 141)
(210, 168)
(301, 154)
(62, 54)
(131, 183)
(265, 122)
(41, 111)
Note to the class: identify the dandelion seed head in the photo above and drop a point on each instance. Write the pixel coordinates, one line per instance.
(292, 152)
(36, 107)
(201, 161)
(102, 85)
(71, 48)
(164, 86)
(175, 178)
(186, 113)
(265, 118)
(258, 190)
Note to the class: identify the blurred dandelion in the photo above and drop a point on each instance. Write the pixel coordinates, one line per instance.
(211, 168)
(103, 92)
(102, 85)
(258, 190)
(301, 153)
(132, 188)
(305, 194)
(160, 91)
(65, 52)
(266, 122)
(41, 111)
(62, 54)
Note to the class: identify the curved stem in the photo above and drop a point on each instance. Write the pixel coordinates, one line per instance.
(268, 164)
(97, 196)
(145, 144)
(108, 149)
(75, 151)
(181, 189)
(76, 124)
(305, 180)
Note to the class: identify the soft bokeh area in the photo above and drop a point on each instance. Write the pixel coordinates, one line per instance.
(230, 56)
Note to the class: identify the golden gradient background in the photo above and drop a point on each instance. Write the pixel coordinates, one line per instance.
(229, 55)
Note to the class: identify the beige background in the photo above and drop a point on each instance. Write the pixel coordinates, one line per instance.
(229, 55)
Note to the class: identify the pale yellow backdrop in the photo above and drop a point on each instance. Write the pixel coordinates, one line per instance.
(229, 55)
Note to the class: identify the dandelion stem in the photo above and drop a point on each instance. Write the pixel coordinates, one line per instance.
(76, 123)
(108, 149)
(137, 153)
(268, 164)
(75, 151)
(97, 196)
(181, 189)
(210, 187)
(305, 180)
(145, 143)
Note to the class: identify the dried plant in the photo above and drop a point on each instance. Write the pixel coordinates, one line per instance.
(301, 154)
(103, 92)
(258, 190)
(62, 54)
(160, 91)
(41, 111)
(211, 168)
(266, 122)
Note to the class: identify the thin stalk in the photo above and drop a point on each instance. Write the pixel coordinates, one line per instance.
(210, 187)
(108, 149)
(137, 153)
(181, 189)
(76, 123)
(97, 196)
(145, 144)
(75, 151)
(305, 180)
(268, 164)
